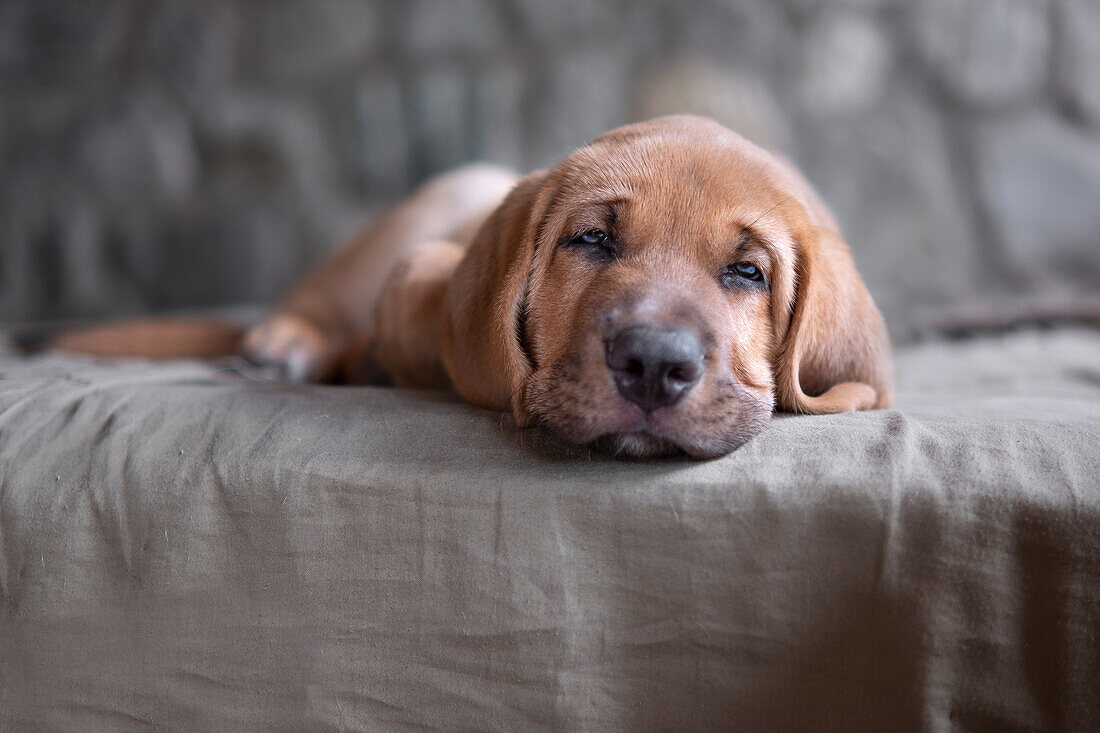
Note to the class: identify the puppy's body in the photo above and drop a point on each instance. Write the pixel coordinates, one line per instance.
(661, 289)
(325, 325)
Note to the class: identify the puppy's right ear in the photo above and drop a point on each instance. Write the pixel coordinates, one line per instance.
(836, 354)
(482, 352)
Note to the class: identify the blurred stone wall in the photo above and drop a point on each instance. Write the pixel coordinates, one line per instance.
(158, 154)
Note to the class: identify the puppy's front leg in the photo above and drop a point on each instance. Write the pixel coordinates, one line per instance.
(408, 318)
(302, 350)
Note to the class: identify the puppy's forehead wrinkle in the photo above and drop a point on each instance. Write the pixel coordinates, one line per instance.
(671, 162)
(662, 183)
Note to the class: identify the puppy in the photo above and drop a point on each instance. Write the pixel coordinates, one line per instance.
(661, 290)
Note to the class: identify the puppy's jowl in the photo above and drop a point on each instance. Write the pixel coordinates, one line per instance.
(661, 290)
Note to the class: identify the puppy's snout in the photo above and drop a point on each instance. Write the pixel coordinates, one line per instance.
(655, 366)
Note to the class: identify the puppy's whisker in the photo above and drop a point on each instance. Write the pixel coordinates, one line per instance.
(742, 392)
(773, 208)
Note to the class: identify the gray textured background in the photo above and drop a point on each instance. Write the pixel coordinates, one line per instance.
(158, 154)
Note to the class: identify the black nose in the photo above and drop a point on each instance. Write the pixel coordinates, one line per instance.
(654, 366)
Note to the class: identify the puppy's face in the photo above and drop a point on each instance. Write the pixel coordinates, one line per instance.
(675, 283)
(648, 319)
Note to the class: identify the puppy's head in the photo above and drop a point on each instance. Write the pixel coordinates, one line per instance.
(662, 290)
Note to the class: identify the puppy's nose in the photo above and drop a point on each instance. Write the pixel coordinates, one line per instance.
(655, 366)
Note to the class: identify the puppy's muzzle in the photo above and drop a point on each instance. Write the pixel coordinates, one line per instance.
(655, 366)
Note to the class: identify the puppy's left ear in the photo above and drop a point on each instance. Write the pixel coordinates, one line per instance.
(482, 344)
(835, 355)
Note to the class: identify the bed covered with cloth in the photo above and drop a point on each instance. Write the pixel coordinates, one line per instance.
(188, 545)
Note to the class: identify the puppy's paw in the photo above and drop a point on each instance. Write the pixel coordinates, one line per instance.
(297, 349)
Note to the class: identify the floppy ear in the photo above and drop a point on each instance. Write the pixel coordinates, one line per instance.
(481, 337)
(836, 353)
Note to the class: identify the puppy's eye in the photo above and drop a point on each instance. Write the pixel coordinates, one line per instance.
(748, 270)
(741, 272)
(594, 241)
(591, 238)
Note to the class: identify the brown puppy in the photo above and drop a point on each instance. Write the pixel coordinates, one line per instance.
(660, 290)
